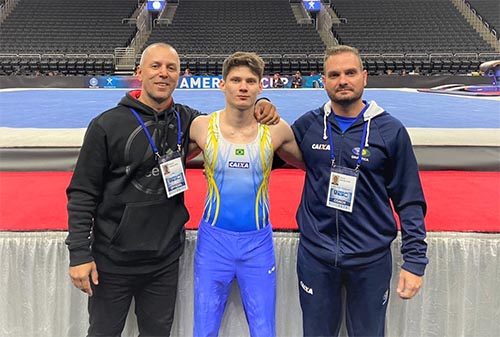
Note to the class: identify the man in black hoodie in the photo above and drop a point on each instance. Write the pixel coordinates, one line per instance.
(126, 210)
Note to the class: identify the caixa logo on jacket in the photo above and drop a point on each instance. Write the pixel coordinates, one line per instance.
(323, 147)
(239, 164)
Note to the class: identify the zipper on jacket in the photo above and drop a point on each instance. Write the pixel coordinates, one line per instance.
(338, 237)
(337, 225)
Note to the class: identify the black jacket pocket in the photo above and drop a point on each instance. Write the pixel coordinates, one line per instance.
(148, 231)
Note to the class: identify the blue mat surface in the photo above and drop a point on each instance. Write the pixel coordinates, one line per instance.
(73, 108)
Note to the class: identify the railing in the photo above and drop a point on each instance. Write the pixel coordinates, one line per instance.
(30, 57)
(6, 8)
(117, 62)
(270, 56)
(471, 56)
(129, 21)
(55, 56)
(52, 56)
(370, 56)
(480, 18)
(162, 22)
(393, 55)
(8, 56)
(490, 55)
(102, 56)
(77, 56)
(416, 56)
(194, 56)
(294, 56)
(125, 59)
(141, 36)
(305, 21)
(143, 18)
(305, 16)
(138, 10)
(130, 54)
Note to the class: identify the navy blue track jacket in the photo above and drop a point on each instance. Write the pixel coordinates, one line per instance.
(388, 172)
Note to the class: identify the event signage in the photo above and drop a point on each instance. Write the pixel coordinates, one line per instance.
(192, 82)
(156, 5)
(312, 5)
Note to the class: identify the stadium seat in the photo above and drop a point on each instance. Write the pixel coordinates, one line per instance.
(221, 24)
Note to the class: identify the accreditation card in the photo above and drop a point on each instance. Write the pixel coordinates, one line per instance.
(342, 188)
(174, 177)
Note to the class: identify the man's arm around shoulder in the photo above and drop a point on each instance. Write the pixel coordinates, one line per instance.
(198, 135)
(285, 144)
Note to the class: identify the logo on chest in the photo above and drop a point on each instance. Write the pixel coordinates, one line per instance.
(322, 147)
(239, 164)
(364, 155)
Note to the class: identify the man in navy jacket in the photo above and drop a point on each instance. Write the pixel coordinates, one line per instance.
(358, 160)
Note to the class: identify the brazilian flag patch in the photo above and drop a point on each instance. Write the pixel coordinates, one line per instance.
(239, 152)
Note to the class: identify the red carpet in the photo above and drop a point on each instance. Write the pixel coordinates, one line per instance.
(457, 201)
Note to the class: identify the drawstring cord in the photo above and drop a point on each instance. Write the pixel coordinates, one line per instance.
(327, 110)
(368, 133)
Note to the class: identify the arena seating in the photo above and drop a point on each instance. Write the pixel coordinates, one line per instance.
(205, 28)
(425, 36)
(399, 29)
(222, 27)
(398, 26)
(60, 26)
(52, 29)
(489, 10)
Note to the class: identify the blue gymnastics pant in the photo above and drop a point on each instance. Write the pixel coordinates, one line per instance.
(222, 256)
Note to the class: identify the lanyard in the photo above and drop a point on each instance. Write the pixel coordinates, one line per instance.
(361, 146)
(153, 145)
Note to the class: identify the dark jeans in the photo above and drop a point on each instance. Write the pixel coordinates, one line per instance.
(154, 296)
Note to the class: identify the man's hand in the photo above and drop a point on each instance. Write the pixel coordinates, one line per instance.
(266, 113)
(82, 274)
(409, 284)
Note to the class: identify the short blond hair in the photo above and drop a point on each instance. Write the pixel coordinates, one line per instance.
(246, 59)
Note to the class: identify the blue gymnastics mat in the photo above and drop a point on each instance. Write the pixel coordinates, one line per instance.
(74, 108)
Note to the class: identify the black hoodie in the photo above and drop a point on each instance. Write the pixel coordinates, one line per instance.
(119, 214)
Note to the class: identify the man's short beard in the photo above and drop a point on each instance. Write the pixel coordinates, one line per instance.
(345, 101)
